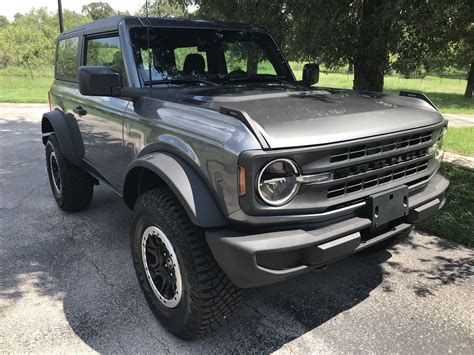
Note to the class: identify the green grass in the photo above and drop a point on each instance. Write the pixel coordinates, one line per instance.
(456, 220)
(16, 85)
(446, 93)
(460, 140)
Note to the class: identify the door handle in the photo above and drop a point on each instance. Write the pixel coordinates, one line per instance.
(79, 110)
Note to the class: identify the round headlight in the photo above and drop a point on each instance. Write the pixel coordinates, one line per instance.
(438, 147)
(277, 184)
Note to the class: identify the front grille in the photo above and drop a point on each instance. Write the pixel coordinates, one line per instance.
(379, 147)
(378, 164)
(374, 180)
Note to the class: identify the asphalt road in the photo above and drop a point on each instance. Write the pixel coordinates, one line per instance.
(67, 282)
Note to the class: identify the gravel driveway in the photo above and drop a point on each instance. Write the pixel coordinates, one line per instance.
(67, 281)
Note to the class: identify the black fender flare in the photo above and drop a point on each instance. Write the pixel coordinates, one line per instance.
(67, 131)
(196, 198)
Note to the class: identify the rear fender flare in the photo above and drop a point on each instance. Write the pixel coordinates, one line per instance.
(67, 132)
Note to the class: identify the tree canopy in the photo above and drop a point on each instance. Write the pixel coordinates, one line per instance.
(375, 36)
(29, 40)
(98, 9)
(164, 8)
(372, 36)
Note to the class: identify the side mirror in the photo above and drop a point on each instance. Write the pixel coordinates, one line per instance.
(99, 81)
(310, 74)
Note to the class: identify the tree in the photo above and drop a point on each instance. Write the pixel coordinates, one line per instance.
(30, 39)
(29, 36)
(98, 9)
(164, 8)
(465, 56)
(3, 21)
(269, 14)
(437, 35)
(331, 32)
(373, 36)
(365, 33)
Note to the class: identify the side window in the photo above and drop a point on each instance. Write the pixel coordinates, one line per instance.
(66, 60)
(105, 52)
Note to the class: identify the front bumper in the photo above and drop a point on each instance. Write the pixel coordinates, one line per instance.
(257, 259)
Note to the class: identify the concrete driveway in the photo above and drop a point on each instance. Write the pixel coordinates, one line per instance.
(67, 282)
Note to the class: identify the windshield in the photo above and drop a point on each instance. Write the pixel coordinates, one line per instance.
(206, 56)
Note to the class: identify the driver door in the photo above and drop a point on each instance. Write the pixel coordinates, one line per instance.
(101, 119)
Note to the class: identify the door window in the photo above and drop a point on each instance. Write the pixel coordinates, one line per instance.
(105, 52)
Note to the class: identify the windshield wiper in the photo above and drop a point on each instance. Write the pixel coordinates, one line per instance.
(180, 81)
(279, 79)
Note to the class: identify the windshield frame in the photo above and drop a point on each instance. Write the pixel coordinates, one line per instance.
(285, 76)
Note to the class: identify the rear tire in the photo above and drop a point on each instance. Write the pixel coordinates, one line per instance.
(183, 285)
(72, 187)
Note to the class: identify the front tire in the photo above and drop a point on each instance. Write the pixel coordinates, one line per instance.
(72, 187)
(182, 283)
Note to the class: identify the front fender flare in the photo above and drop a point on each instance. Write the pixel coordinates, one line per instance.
(185, 183)
(67, 132)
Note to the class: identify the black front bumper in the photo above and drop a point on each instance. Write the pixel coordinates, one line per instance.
(255, 259)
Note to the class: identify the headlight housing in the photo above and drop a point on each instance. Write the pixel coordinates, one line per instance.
(438, 147)
(277, 182)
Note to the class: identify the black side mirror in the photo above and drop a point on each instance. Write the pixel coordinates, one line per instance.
(99, 81)
(310, 74)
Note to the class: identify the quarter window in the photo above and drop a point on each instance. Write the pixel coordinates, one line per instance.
(66, 63)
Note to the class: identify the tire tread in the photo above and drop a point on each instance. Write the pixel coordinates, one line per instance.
(77, 185)
(214, 297)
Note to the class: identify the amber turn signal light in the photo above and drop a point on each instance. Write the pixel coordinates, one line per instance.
(241, 181)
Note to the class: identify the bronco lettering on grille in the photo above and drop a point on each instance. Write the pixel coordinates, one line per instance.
(379, 164)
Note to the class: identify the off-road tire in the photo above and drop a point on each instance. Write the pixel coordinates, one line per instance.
(76, 185)
(208, 297)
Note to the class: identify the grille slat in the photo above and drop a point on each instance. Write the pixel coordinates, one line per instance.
(380, 147)
(376, 179)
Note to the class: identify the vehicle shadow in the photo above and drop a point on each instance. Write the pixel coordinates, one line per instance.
(83, 261)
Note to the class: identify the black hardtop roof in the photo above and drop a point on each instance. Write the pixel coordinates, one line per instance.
(111, 24)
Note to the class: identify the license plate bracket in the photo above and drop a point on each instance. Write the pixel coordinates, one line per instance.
(388, 205)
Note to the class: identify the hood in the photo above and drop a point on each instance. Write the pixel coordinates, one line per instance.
(289, 117)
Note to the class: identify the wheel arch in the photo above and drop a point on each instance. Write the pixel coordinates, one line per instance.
(67, 132)
(161, 169)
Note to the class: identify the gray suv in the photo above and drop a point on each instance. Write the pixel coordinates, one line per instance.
(239, 175)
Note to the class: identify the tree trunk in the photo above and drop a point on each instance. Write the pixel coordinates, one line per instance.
(252, 62)
(350, 70)
(371, 57)
(29, 68)
(470, 82)
(368, 76)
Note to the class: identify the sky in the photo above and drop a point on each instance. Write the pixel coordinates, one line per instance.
(9, 8)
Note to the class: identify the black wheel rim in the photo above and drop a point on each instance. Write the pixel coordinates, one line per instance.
(55, 173)
(161, 266)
